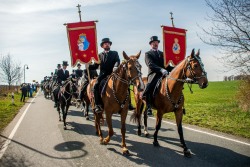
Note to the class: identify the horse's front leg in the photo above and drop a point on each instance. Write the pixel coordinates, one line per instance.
(87, 111)
(110, 127)
(157, 127)
(98, 126)
(145, 120)
(178, 116)
(123, 131)
(58, 109)
(64, 115)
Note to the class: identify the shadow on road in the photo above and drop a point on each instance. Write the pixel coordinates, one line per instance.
(65, 146)
(146, 154)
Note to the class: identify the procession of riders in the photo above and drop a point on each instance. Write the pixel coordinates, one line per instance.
(109, 91)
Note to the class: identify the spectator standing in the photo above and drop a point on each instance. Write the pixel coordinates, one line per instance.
(24, 92)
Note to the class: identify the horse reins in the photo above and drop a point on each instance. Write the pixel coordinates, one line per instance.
(128, 82)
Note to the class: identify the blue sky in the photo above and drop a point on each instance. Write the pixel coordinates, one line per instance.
(33, 32)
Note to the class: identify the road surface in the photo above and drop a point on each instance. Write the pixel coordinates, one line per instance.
(36, 138)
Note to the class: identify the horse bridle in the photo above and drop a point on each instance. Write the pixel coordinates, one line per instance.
(128, 82)
(194, 79)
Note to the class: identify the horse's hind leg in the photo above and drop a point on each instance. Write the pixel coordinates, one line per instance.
(157, 127)
(178, 116)
(110, 127)
(87, 111)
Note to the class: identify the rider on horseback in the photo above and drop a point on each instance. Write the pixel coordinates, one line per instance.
(109, 61)
(155, 61)
(62, 75)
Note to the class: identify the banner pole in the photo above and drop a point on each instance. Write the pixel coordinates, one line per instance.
(171, 13)
(79, 11)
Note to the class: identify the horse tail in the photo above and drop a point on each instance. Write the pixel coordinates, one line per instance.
(136, 116)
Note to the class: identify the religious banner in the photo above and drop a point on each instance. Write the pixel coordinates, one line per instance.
(82, 42)
(174, 45)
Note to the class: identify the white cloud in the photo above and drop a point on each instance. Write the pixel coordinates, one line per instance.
(29, 6)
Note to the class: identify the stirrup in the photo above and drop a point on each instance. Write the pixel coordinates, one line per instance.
(98, 109)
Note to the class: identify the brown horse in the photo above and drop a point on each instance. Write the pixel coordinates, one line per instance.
(170, 97)
(115, 98)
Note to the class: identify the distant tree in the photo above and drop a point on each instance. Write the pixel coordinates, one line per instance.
(10, 71)
(225, 78)
(230, 31)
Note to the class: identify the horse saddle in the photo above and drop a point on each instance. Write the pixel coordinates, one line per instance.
(103, 85)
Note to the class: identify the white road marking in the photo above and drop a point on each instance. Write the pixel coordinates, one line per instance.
(7, 142)
(207, 133)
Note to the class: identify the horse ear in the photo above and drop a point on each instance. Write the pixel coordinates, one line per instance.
(198, 53)
(125, 55)
(138, 55)
(192, 53)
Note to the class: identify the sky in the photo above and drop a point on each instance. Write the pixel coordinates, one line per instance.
(32, 31)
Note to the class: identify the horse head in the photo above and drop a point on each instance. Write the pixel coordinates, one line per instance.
(195, 70)
(134, 70)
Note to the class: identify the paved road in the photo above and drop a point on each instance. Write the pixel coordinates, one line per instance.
(41, 141)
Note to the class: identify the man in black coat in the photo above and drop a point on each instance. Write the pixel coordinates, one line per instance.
(63, 73)
(155, 61)
(109, 61)
(79, 71)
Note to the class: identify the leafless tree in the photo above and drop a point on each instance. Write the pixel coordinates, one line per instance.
(230, 31)
(10, 71)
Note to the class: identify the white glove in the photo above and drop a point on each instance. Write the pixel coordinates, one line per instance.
(115, 68)
(164, 72)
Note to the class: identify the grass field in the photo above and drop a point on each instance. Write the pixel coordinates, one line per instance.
(8, 110)
(215, 107)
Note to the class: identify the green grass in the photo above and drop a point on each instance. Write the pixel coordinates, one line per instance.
(216, 108)
(9, 110)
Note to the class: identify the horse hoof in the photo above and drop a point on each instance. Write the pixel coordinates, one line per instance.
(156, 144)
(146, 134)
(65, 128)
(125, 151)
(105, 142)
(60, 120)
(87, 118)
(187, 153)
(139, 133)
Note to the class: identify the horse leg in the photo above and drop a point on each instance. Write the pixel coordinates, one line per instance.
(157, 127)
(178, 116)
(58, 109)
(145, 114)
(123, 131)
(64, 116)
(87, 111)
(110, 131)
(98, 127)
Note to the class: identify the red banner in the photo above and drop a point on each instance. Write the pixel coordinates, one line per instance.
(82, 42)
(174, 45)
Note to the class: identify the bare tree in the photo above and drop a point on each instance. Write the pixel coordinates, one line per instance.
(10, 71)
(230, 31)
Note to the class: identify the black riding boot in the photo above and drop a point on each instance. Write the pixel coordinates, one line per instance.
(148, 108)
(98, 108)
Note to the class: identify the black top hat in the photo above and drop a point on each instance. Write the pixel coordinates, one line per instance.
(58, 65)
(65, 63)
(79, 64)
(154, 38)
(105, 40)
